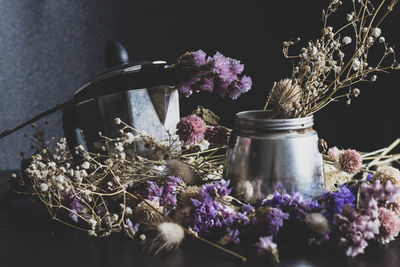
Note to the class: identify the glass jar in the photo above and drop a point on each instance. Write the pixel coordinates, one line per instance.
(267, 155)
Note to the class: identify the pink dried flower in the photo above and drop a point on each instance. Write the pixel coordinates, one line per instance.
(191, 129)
(350, 161)
(217, 135)
(390, 225)
(334, 153)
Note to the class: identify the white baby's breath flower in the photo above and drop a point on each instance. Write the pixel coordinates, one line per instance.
(370, 40)
(373, 78)
(350, 16)
(381, 39)
(356, 64)
(129, 137)
(390, 50)
(346, 40)
(85, 165)
(44, 187)
(376, 32)
(356, 92)
(60, 178)
(128, 211)
(117, 121)
(92, 223)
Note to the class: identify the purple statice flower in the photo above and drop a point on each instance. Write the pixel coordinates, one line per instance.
(154, 191)
(356, 228)
(269, 220)
(166, 194)
(333, 202)
(217, 135)
(75, 206)
(240, 87)
(199, 58)
(130, 228)
(387, 194)
(191, 60)
(207, 85)
(221, 66)
(185, 87)
(169, 197)
(191, 129)
(218, 73)
(247, 208)
(211, 215)
(294, 204)
(266, 247)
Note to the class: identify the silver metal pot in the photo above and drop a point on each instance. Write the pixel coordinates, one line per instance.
(266, 155)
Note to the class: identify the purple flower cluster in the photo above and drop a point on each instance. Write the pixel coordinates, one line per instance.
(294, 204)
(265, 246)
(209, 74)
(74, 205)
(356, 228)
(269, 221)
(210, 214)
(166, 194)
(333, 202)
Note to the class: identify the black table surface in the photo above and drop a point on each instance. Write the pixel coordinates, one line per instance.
(28, 237)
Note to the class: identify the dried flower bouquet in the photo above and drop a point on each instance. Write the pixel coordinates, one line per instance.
(159, 199)
(328, 69)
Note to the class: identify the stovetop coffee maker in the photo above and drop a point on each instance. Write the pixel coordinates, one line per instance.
(143, 98)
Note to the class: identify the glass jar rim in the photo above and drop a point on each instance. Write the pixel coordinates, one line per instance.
(259, 119)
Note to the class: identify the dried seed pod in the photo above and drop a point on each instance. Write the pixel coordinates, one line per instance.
(180, 169)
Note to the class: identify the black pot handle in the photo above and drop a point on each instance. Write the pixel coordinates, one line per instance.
(72, 131)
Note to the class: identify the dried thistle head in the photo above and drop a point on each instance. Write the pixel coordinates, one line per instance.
(188, 193)
(145, 213)
(285, 96)
(387, 173)
(317, 224)
(180, 169)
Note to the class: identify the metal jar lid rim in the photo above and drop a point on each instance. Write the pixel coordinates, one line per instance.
(259, 119)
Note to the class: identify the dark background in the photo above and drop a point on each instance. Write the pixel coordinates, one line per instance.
(48, 49)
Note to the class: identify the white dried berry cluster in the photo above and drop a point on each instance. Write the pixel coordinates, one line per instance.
(338, 60)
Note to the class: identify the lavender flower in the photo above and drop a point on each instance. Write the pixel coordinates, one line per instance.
(191, 129)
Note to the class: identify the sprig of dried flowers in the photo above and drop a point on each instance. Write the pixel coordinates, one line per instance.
(180, 191)
(336, 62)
